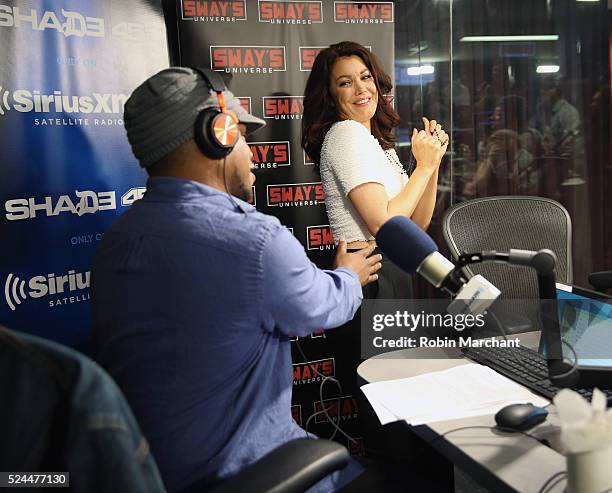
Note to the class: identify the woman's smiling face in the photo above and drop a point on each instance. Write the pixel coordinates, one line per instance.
(352, 86)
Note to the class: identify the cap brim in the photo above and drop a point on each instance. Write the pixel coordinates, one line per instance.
(252, 122)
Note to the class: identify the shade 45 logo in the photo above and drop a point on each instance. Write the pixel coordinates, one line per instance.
(66, 286)
(83, 202)
(267, 155)
(213, 10)
(320, 237)
(248, 59)
(339, 409)
(313, 371)
(295, 194)
(283, 107)
(363, 12)
(66, 22)
(290, 12)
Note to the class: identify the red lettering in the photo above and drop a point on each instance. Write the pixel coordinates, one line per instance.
(296, 414)
(277, 58)
(281, 153)
(189, 8)
(308, 57)
(275, 194)
(238, 9)
(386, 12)
(248, 60)
(246, 104)
(270, 106)
(319, 193)
(219, 58)
(234, 58)
(314, 11)
(265, 10)
(320, 236)
(327, 367)
(214, 10)
(287, 194)
(297, 106)
(259, 152)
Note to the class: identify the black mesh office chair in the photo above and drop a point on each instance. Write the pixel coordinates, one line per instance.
(505, 222)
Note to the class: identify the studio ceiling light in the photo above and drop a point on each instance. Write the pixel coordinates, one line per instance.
(547, 69)
(421, 70)
(526, 37)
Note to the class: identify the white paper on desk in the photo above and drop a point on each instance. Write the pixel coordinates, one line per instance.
(459, 392)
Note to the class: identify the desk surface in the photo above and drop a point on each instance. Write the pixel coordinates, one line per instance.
(500, 461)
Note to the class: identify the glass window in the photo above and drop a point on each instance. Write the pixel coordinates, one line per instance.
(524, 88)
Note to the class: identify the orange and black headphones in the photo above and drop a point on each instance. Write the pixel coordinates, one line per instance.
(216, 130)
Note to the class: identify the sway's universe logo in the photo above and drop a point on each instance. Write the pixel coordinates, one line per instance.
(248, 59)
(363, 12)
(267, 155)
(320, 237)
(245, 102)
(16, 292)
(67, 22)
(283, 107)
(214, 10)
(313, 371)
(307, 56)
(83, 202)
(295, 194)
(338, 409)
(290, 12)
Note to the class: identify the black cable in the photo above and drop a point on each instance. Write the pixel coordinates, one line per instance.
(324, 409)
(492, 428)
(549, 482)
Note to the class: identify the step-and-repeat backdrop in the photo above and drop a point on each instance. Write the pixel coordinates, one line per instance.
(268, 48)
(66, 168)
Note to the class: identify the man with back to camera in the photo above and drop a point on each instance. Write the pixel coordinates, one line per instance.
(195, 292)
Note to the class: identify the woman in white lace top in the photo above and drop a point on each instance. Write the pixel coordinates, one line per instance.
(347, 130)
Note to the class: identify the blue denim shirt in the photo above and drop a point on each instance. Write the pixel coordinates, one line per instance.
(61, 412)
(193, 305)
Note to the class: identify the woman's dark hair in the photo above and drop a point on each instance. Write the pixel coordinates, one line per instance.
(320, 109)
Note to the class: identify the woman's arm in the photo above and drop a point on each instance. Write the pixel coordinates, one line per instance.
(417, 199)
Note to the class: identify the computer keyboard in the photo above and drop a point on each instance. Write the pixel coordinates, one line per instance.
(530, 372)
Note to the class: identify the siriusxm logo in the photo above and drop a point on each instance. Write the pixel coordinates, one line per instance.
(86, 202)
(68, 23)
(25, 101)
(15, 291)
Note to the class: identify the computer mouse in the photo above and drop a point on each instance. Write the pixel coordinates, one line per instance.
(520, 417)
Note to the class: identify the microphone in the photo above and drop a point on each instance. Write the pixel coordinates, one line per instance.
(413, 250)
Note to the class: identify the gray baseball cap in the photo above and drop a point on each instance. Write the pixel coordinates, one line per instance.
(159, 115)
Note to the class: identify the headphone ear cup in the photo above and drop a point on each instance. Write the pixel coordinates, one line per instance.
(216, 133)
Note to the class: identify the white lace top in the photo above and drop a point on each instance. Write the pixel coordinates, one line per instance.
(350, 156)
